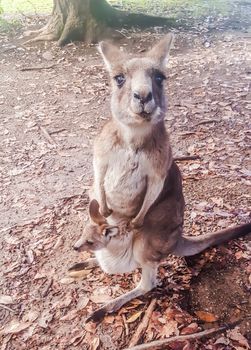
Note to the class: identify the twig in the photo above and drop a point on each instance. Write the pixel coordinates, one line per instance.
(47, 287)
(163, 342)
(184, 158)
(143, 324)
(47, 135)
(126, 325)
(57, 131)
(6, 308)
(209, 121)
(37, 68)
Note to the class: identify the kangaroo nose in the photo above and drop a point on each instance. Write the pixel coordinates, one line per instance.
(143, 99)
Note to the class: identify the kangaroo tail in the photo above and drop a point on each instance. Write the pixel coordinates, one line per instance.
(188, 246)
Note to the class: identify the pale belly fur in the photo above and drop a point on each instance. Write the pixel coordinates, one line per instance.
(118, 257)
(125, 182)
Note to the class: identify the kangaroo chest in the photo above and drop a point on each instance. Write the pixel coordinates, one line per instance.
(125, 181)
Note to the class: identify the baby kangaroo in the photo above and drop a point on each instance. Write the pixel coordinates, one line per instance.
(136, 182)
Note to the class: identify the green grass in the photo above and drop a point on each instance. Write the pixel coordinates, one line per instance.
(26, 6)
(195, 8)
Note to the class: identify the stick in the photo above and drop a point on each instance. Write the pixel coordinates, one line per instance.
(37, 68)
(143, 324)
(126, 325)
(6, 308)
(209, 121)
(47, 135)
(184, 158)
(163, 342)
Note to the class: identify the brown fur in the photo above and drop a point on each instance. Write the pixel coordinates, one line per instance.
(136, 182)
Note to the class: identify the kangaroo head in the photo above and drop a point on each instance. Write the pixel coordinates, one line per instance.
(97, 233)
(137, 83)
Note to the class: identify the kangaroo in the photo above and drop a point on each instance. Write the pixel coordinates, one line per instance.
(137, 204)
(118, 253)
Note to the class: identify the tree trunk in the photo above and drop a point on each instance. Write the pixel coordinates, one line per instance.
(90, 21)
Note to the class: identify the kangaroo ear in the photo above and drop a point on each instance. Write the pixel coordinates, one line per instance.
(160, 51)
(111, 231)
(111, 54)
(94, 213)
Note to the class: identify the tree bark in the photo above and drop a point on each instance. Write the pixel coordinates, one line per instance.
(91, 21)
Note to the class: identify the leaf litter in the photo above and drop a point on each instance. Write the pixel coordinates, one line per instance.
(46, 140)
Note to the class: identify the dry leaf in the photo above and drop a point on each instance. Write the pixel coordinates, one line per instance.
(206, 316)
(14, 327)
(171, 328)
(100, 298)
(235, 335)
(6, 299)
(95, 344)
(67, 280)
(192, 328)
(45, 319)
(82, 303)
(134, 317)
(69, 316)
(79, 274)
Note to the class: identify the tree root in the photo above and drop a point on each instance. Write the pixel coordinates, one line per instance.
(162, 343)
(42, 37)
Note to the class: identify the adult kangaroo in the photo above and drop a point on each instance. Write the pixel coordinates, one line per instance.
(137, 205)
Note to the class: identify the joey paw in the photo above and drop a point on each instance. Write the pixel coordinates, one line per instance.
(136, 223)
(105, 211)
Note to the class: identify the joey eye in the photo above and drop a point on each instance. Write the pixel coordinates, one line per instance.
(89, 242)
(120, 80)
(107, 232)
(159, 78)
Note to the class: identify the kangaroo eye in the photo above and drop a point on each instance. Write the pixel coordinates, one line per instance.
(89, 242)
(159, 78)
(107, 232)
(120, 80)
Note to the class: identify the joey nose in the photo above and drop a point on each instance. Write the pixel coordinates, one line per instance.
(75, 248)
(143, 98)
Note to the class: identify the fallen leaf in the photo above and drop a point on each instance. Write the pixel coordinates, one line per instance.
(100, 298)
(134, 317)
(192, 328)
(171, 328)
(79, 274)
(67, 280)
(14, 327)
(206, 316)
(235, 335)
(6, 299)
(82, 303)
(45, 319)
(222, 340)
(95, 343)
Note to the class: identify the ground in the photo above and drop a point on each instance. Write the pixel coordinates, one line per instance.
(53, 102)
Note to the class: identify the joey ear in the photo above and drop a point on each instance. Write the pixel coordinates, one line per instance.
(111, 54)
(94, 213)
(111, 231)
(160, 51)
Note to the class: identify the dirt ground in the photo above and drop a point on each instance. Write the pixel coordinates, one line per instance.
(52, 103)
